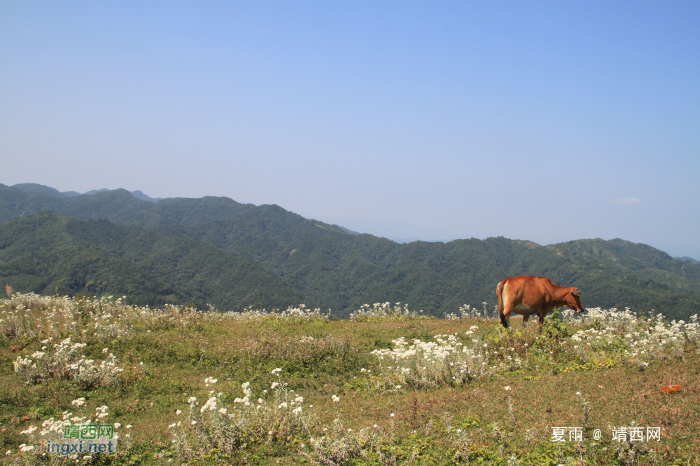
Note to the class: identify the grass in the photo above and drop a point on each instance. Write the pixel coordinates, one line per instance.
(167, 356)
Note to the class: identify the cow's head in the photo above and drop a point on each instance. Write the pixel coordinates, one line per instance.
(573, 300)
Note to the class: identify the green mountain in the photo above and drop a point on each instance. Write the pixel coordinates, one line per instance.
(639, 260)
(40, 188)
(333, 268)
(50, 253)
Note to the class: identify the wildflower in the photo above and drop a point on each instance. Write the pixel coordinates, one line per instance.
(506, 388)
(335, 399)
(274, 385)
(391, 415)
(282, 405)
(29, 430)
(276, 371)
(191, 399)
(78, 402)
(178, 412)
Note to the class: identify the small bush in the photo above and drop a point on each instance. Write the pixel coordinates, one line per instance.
(445, 361)
(276, 416)
(67, 361)
(384, 312)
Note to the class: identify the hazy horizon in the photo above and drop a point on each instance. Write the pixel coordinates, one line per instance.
(548, 122)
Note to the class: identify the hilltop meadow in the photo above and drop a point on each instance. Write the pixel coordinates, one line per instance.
(388, 385)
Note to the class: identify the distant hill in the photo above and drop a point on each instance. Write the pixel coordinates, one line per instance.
(331, 267)
(50, 253)
(40, 188)
(89, 193)
(640, 260)
(143, 197)
(687, 259)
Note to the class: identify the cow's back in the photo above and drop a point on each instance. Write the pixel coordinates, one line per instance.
(525, 290)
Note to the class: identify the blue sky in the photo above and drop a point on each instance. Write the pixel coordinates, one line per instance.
(548, 121)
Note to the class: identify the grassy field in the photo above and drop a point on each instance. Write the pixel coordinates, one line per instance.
(295, 387)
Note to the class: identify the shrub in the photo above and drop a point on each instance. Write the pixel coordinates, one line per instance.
(52, 432)
(637, 341)
(342, 445)
(379, 312)
(445, 361)
(277, 416)
(66, 361)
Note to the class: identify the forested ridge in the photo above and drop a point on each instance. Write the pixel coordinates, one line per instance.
(215, 250)
(49, 253)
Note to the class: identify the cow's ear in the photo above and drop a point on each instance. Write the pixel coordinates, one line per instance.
(576, 292)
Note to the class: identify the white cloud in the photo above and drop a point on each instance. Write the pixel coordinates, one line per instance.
(626, 200)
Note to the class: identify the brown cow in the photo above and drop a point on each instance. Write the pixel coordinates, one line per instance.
(526, 296)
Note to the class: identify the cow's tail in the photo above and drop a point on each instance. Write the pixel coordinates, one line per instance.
(499, 294)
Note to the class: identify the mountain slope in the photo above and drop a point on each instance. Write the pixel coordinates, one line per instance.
(50, 253)
(640, 260)
(330, 267)
(343, 271)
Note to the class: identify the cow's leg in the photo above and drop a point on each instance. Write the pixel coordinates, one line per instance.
(505, 315)
(542, 316)
(525, 318)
